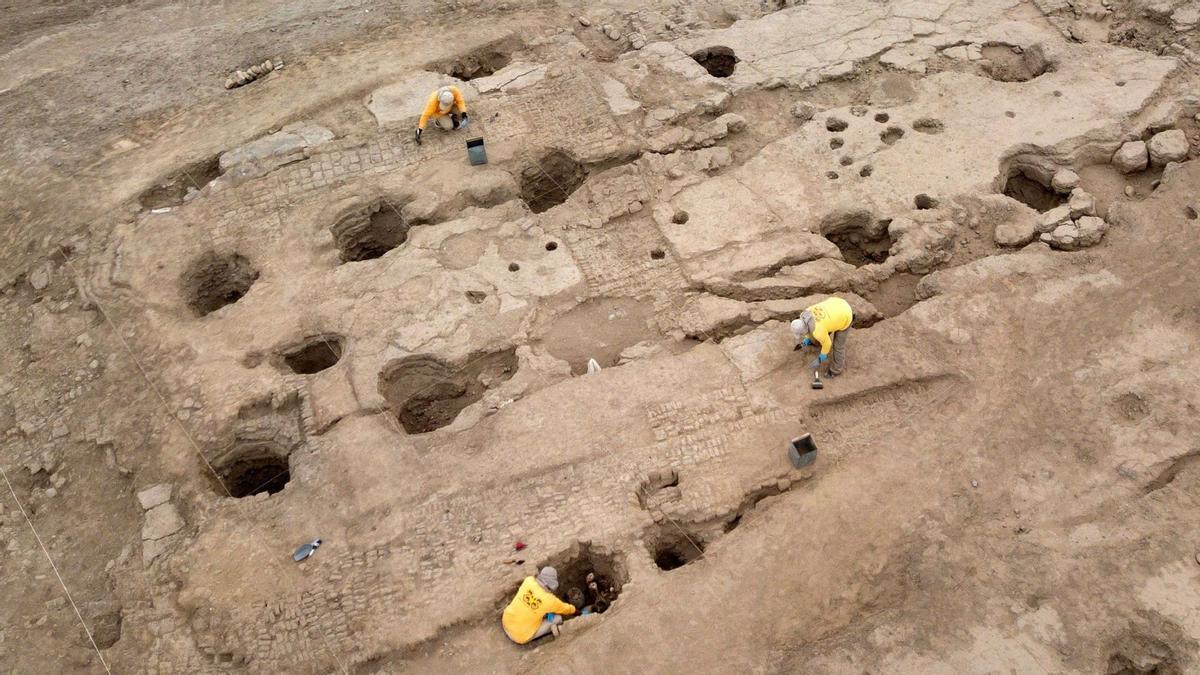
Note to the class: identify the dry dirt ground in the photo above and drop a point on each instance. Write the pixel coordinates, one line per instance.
(236, 320)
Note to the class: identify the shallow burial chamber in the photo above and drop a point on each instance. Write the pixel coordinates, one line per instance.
(588, 577)
(426, 393)
(216, 279)
(1027, 189)
(368, 232)
(859, 236)
(313, 354)
(718, 61)
(551, 180)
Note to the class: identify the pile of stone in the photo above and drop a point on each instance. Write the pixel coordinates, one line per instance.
(1164, 147)
(241, 77)
(1073, 225)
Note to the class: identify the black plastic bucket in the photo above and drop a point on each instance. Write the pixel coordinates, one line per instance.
(802, 451)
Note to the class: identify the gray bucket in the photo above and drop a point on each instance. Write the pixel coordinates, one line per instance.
(802, 451)
(475, 152)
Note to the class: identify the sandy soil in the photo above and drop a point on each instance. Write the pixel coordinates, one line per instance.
(242, 319)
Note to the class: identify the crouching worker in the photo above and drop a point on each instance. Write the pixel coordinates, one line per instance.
(535, 610)
(826, 323)
(446, 108)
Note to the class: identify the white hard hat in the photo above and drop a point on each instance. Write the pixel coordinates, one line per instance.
(445, 96)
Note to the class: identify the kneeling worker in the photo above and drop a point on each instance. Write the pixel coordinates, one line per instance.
(826, 323)
(535, 610)
(446, 108)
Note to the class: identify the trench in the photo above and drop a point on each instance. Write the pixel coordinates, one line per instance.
(426, 393)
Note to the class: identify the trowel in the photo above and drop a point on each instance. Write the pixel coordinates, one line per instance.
(817, 383)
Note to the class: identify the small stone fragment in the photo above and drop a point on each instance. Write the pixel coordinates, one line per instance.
(584, 21)
(1064, 181)
(154, 495)
(1082, 203)
(804, 111)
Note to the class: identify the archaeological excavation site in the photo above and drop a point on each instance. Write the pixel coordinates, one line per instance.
(726, 336)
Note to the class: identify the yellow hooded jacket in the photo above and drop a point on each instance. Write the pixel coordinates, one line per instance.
(830, 316)
(433, 107)
(529, 606)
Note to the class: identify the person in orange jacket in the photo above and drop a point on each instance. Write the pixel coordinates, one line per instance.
(826, 323)
(535, 611)
(447, 108)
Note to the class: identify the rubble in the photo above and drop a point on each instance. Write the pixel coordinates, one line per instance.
(1131, 157)
(1168, 146)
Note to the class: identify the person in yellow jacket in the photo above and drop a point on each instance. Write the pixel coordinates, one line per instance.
(826, 323)
(535, 610)
(446, 108)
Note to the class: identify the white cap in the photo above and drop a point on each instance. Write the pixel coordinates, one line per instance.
(445, 97)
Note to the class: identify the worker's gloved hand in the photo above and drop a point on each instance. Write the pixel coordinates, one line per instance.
(465, 120)
(818, 361)
(418, 136)
(821, 358)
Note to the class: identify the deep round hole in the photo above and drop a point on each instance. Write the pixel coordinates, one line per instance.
(718, 61)
(368, 232)
(924, 202)
(658, 254)
(1009, 113)
(551, 245)
(835, 143)
(1120, 83)
(679, 217)
(476, 297)
(513, 267)
(313, 355)
(255, 467)
(831, 175)
(672, 548)
(846, 161)
(891, 135)
(866, 171)
(836, 124)
(479, 63)
(861, 239)
(214, 280)
(882, 117)
(550, 181)
(1190, 212)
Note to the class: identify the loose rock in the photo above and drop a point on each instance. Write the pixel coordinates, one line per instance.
(1082, 203)
(1131, 157)
(1168, 146)
(1064, 181)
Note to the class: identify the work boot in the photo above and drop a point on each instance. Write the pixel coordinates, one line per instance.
(556, 630)
(830, 374)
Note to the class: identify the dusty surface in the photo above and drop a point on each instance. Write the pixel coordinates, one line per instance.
(241, 319)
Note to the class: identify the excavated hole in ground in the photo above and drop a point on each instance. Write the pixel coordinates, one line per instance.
(599, 328)
(1003, 64)
(891, 135)
(214, 280)
(929, 125)
(1032, 193)
(551, 180)
(859, 237)
(426, 393)
(895, 295)
(479, 63)
(174, 191)
(253, 467)
(369, 232)
(718, 61)
(314, 354)
(588, 577)
(924, 202)
(672, 546)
